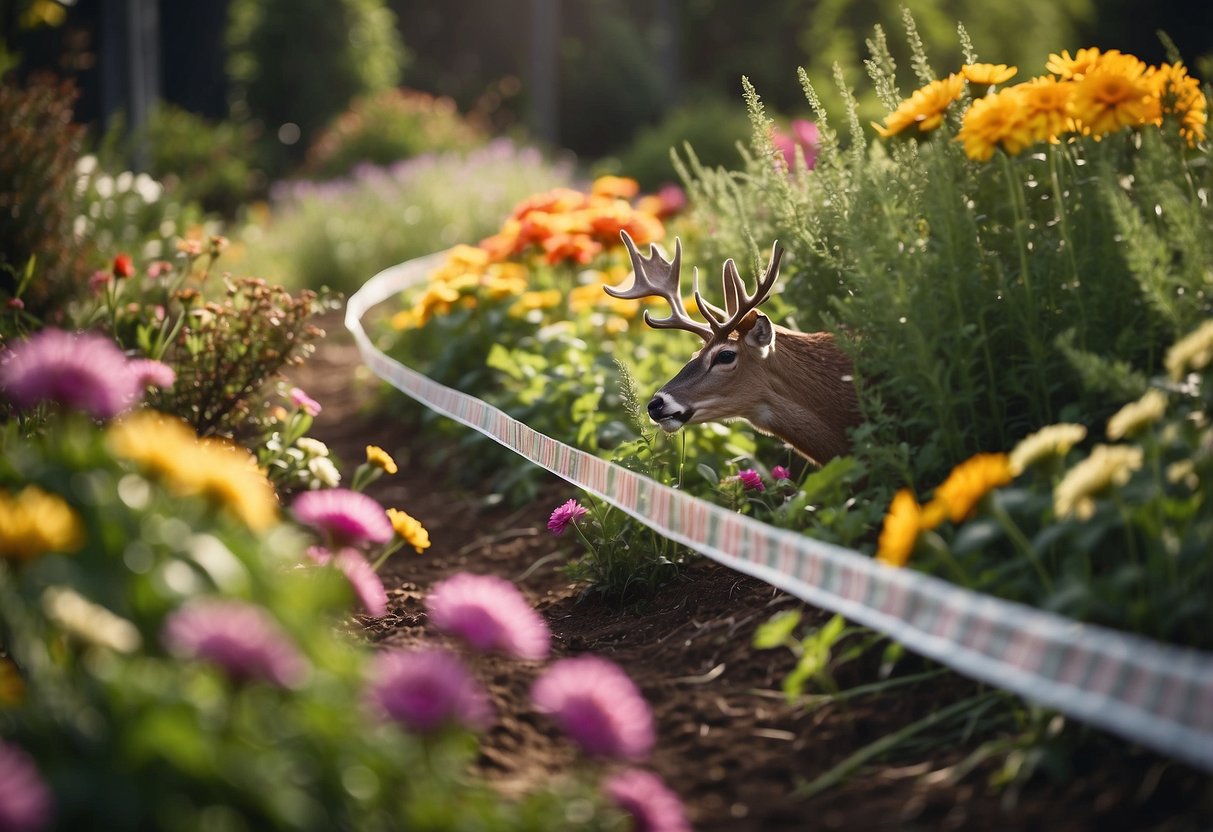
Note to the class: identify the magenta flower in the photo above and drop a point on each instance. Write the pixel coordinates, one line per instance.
(780, 473)
(751, 479)
(83, 372)
(805, 135)
(151, 373)
(25, 800)
(653, 807)
(98, 280)
(597, 706)
(366, 583)
(237, 636)
(319, 555)
(565, 515)
(427, 688)
(305, 402)
(489, 613)
(347, 517)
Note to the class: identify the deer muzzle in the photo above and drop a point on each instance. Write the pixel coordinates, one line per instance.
(668, 413)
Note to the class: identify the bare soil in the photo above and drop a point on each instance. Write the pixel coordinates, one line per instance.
(728, 742)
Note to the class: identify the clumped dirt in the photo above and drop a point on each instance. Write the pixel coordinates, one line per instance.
(728, 741)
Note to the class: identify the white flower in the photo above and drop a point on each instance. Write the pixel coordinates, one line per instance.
(124, 181)
(1107, 466)
(1052, 440)
(1137, 415)
(311, 447)
(86, 164)
(325, 472)
(1192, 352)
(149, 189)
(88, 621)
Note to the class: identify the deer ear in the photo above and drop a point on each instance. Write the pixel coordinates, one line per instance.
(760, 334)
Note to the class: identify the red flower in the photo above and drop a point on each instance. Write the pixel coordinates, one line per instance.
(123, 266)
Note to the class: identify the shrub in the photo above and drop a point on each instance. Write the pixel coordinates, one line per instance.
(387, 127)
(713, 128)
(201, 161)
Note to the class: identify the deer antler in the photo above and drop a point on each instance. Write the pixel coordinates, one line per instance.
(737, 302)
(657, 277)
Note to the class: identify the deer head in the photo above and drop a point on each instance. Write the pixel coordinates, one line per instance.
(795, 385)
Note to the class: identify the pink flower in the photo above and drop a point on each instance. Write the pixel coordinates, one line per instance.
(780, 473)
(489, 613)
(565, 515)
(98, 280)
(158, 268)
(427, 688)
(597, 706)
(25, 800)
(367, 585)
(751, 479)
(83, 372)
(347, 517)
(15, 304)
(653, 807)
(151, 373)
(237, 636)
(319, 555)
(305, 402)
(805, 136)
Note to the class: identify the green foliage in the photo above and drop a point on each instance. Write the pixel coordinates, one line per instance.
(201, 161)
(37, 194)
(714, 128)
(389, 126)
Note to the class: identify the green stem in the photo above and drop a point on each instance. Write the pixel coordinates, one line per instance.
(1021, 542)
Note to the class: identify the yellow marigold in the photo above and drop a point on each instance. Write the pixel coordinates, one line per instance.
(1113, 93)
(615, 325)
(1137, 415)
(1046, 107)
(407, 319)
(467, 258)
(35, 522)
(924, 108)
(900, 531)
(1180, 97)
(994, 120)
(1193, 352)
(584, 298)
(969, 482)
(618, 187)
(1107, 466)
(555, 201)
(988, 74)
(1068, 68)
(380, 458)
(1050, 441)
(214, 469)
(543, 299)
(409, 529)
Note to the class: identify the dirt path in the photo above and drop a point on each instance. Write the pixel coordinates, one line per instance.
(729, 744)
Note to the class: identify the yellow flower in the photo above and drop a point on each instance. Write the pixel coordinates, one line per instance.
(381, 459)
(1107, 466)
(544, 299)
(1180, 96)
(35, 522)
(924, 108)
(409, 529)
(1136, 415)
(89, 622)
(616, 187)
(969, 482)
(988, 74)
(1066, 67)
(468, 258)
(615, 325)
(1113, 93)
(12, 686)
(900, 531)
(993, 120)
(407, 319)
(1046, 103)
(1050, 441)
(1192, 352)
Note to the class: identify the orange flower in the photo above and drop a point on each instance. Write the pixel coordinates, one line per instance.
(1075, 68)
(556, 201)
(993, 120)
(988, 74)
(924, 108)
(900, 532)
(615, 187)
(504, 243)
(1046, 102)
(1180, 97)
(969, 482)
(578, 248)
(1114, 93)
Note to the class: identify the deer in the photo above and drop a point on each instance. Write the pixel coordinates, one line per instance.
(797, 386)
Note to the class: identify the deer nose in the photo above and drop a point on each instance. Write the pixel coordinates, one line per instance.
(656, 407)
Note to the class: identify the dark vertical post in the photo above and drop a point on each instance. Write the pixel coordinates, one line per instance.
(544, 74)
(130, 63)
(669, 52)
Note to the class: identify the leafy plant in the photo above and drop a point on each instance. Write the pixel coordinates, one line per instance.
(200, 161)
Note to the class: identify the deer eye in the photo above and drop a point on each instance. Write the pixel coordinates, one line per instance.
(724, 357)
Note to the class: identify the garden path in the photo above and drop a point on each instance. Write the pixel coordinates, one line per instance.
(728, 743)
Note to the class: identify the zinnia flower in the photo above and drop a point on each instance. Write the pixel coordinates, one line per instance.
(643, 795)
(347, 517)
(238, 637)
(410, 529)
(381, 459)
(83, 372)
(426, 689)
(1049, 441)
(35, 522)
(597, 706)
(565, 515)
(25, 800)
(305, 402)
(151, 373)
(969, 482)
(1106, 467)
(924, 108)
(1046, 103)
(366, 583)
(1137, 415)
(779, 472)
(900, 531)
(489, 613)
(751, 479)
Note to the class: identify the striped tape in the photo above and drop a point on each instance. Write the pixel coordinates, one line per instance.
(1155, 694)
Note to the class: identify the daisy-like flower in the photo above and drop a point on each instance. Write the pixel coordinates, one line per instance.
(304, 402)
(409, 529)
(779, 472)
(1066, 68)
(381, 459)
(427, 689)
(83, 372)
(1192, 353)
(89, 622)
(1137, 415)
(25, 799)
(566, 514)
(35, 522)
(924, 108)
(1049, 442)
(489, 613)
(365, 581)
(651, 804)
(242, 639)
(1108, 466)
(1046, 103)
(988, 74)
(969, 482)
(597, 706)
(1114, 93)
(1181, 98)
(152, 373)
(995, 120)
(346, 517)
(751, 480)
(902, 525)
